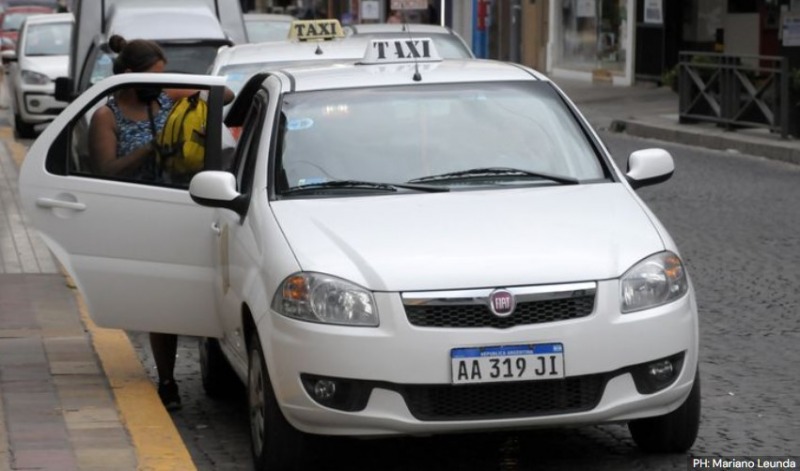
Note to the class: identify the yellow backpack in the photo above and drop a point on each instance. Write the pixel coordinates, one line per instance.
(182, 142)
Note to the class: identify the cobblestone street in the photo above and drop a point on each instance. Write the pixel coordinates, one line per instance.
(735, 219)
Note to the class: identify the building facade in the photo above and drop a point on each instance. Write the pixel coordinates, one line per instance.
(615, 41)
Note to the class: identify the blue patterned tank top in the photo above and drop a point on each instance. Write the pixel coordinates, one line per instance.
(134, 134)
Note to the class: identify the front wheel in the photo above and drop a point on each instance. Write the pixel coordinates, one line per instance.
(24, 130)
(671, 433)
(276, 445)
(218, 377)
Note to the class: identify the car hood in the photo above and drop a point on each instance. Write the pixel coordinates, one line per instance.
(471, 239)
(52, 66)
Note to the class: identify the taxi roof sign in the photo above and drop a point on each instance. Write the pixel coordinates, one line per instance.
(401, 50)
(315, 30)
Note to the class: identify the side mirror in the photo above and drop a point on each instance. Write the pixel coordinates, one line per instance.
(217, 189)
(9, 56)
(64, 89)
(648, 167)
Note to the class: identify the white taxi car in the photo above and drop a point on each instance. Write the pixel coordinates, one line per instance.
(42, 55)
(404, 246)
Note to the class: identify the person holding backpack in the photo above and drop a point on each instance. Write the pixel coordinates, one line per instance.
(123, 138)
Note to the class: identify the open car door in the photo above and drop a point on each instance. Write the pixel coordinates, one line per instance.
(139, 249)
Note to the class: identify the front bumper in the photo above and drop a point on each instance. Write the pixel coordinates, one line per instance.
(38, 103)
(398, 357)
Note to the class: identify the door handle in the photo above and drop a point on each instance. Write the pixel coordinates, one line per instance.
(215, 227)
(54, 203)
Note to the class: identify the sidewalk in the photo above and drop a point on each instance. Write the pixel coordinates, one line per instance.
(72, 396)
(75, 397)
(646, 110)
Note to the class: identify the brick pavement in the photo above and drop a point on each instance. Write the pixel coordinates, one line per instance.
(59, 412)
(72, 396)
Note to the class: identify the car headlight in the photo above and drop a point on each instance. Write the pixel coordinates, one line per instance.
(34, 78)
(315, 297)
(7, 44)
(656, 280)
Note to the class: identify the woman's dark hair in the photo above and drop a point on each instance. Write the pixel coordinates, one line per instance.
(137, 55)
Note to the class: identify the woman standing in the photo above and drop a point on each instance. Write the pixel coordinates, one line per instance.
(122, 137)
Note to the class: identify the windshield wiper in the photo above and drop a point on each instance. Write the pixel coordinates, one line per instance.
(494, 172)
(362, 185)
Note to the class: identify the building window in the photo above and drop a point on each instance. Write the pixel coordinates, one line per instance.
(594, 34)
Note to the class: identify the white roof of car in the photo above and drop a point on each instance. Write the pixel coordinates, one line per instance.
(288, 51)
(155, 19)
(373, 75)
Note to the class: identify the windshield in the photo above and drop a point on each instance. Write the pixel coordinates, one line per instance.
(266, 30)
(50, 39)
(491, 134)
(188, 58)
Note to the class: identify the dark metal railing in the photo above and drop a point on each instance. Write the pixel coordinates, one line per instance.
(734, 91)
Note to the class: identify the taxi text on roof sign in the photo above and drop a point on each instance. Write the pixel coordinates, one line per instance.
(385, 51)
(315, 30)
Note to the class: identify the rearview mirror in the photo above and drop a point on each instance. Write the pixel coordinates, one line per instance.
(64, 89)
(648, 167)
(9, 56)
(217, 189)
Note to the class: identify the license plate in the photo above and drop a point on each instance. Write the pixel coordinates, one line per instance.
(507, 363)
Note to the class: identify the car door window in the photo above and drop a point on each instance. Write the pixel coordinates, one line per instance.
(112, 139)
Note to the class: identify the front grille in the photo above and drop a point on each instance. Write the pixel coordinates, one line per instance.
(479, 315)
(504, 400)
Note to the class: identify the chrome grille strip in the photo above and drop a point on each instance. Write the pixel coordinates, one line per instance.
(523, 294)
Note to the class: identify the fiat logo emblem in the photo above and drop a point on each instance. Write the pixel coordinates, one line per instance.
(502, 303)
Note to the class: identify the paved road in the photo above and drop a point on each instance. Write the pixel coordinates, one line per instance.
(737, 222)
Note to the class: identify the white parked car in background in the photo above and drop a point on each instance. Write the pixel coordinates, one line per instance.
(404, 245)
(41, 56)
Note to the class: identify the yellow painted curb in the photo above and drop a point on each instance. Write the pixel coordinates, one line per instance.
(158, 444)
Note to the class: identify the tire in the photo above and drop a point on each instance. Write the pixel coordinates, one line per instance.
(671, 433)
(276, 445)
(24, 130)
(219, 379)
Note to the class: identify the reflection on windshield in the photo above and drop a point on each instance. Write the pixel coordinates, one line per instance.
(402, 134)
